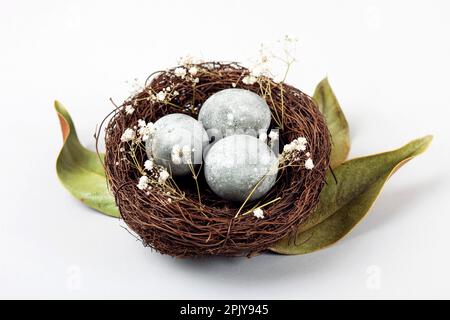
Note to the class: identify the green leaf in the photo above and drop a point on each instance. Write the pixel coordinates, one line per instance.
(80, 169)
(343, 204)
(336, 122)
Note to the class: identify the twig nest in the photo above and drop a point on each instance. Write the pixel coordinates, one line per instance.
(177, 143)
(184, 220)
(240, 166)
(234, 111)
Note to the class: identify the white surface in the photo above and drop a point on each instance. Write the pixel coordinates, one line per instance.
(388, 62)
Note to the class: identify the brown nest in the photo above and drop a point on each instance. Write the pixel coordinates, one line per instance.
(185, 227)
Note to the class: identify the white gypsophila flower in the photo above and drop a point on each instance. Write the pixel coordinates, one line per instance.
(193, 70)
(128, 135)
(260, 70)
(180, 72)
(148, 165)
(189, 60)
(141, 123)
(273, 135)
(309, 164)
(129, 109)
(249, 79)
(233, 85)
(308, 154)
(150, 128)
(299, 147)
(163, 176)
(258, 213)
(175, 93)
(301, 140)
(196, 80)
(146, 131)
(176, 154)
(186, 60)
(288, 148)
(186, 152)
(161, 96)
(145, 137)
(262, 137)
(143, 183)
(299, 144)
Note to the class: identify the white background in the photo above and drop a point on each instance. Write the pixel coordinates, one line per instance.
(388, 62)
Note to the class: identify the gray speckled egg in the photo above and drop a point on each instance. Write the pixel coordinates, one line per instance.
(180, 130)
(235, 164)
(234, 111)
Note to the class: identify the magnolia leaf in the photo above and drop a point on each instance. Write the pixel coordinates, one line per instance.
(336, 122)
(343, 204)
(80, 169)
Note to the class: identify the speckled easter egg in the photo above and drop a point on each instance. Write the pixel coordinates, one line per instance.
(234, 111)
(180, 133)
(235, 164)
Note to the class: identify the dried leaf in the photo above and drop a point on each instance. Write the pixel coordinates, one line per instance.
(80, 169)
(343, 204)
(336, 122)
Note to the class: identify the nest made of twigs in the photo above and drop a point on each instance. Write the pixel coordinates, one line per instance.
(185, 227)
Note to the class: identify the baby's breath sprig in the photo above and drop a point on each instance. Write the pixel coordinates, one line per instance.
(183, 154)
(186, 73)
(153, 177)
(164, 96)
(261, 71)
(294, 153)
